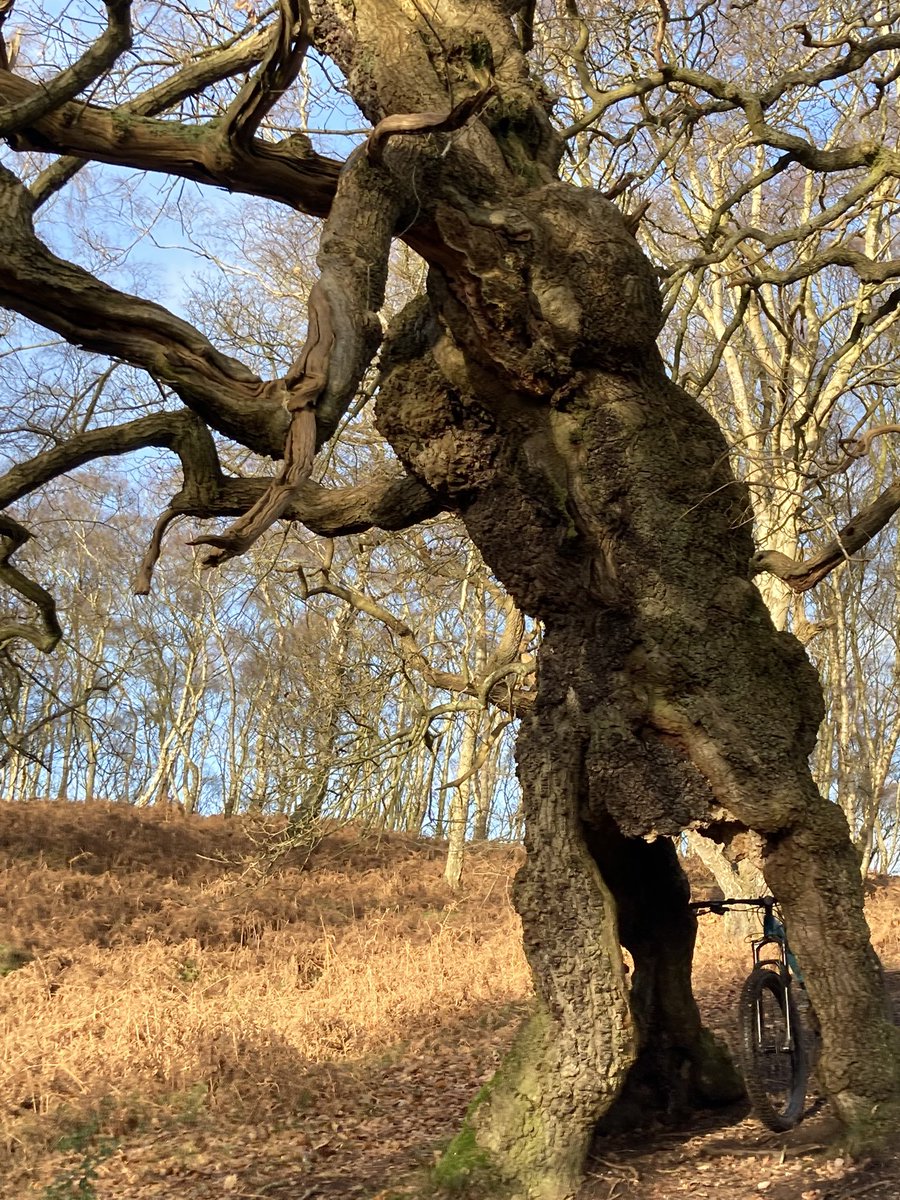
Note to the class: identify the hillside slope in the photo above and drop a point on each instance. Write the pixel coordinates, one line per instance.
(193, 1008)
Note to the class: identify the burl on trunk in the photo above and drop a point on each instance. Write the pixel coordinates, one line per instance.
(527, 391)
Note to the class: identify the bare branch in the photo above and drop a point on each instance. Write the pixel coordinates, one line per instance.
(660, 34)
(183, 432)
(280, 171)
(46, 635)
(885, 309)
(803, 575)
(66, 298)
(485, 746)
(425, 122)
(17, 743)
(489, 688)
(390, 503)
(859, 447)
(727, 95)
(834, 256)
(230, 59)
(154, 549)
(68, 83)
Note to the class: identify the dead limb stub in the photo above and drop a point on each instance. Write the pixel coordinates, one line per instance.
(426, 122)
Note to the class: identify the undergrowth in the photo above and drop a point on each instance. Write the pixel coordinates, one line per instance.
(153, 977)
(166, 982)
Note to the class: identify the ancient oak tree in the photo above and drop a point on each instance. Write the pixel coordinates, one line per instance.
(523, 390)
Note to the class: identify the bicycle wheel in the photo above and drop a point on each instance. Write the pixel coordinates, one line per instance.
(775, 1066)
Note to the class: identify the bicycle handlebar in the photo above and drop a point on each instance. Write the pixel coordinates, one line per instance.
(719, 906)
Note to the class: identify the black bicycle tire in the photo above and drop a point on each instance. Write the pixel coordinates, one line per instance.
(783, 1117)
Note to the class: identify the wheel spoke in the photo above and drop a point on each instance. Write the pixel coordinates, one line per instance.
(772, 1051)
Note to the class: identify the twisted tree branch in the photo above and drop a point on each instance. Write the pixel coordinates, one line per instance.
(278, 70)
(64, 297)
(391, 502)
(46, 635)
(99, 57)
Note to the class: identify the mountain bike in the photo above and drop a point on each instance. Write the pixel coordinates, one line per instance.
(773, 1048)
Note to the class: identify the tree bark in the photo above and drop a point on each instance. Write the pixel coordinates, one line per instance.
(533, 1123)
(525, 392)
(666, 699)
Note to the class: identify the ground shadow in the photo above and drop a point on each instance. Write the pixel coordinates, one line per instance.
(729, 1153)
(284, 1126)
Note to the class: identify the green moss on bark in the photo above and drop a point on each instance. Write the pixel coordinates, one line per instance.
(714, 1078)
(468, 1167)
(871, 1129)
(872, 1133)
(465, 1168)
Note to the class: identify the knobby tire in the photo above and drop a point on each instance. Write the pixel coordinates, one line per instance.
(775, 1075)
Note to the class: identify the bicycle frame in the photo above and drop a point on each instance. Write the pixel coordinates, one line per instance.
(774, 934)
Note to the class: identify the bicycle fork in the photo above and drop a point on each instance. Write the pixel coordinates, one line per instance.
(781, 968)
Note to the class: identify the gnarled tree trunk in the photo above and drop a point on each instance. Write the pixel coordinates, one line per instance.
(528, 393)
(667, 699)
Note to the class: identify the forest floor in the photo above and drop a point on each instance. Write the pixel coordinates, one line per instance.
(190, 1009)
